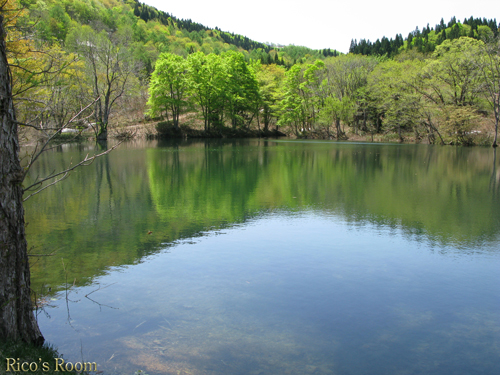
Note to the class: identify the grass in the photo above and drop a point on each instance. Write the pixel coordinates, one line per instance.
(19, 353)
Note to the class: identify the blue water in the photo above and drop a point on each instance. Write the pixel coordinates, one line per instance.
(264, 298)
(303, 283)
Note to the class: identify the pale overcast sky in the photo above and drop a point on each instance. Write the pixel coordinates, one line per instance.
(322, 24)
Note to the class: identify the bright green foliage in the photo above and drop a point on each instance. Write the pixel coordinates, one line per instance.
(310, 90)
(438, 96)
(242, 92)
(458, 124)
(391, 86)
(458, 81)
(485, 33)
(426, 40)
(334, 112)
(345, 76)
(223, 87)
(169, 87)
(270, 80)
(488, 64)
(120, 43)
(208, 75)
(324, 93)
(291, 109)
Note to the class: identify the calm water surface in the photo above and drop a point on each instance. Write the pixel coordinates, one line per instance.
(271, 257)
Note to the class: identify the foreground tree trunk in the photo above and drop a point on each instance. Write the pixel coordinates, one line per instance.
(17, 320)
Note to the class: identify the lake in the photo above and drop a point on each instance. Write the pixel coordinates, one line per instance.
(271, 257)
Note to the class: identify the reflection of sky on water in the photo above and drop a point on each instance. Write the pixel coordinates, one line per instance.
(298, 294)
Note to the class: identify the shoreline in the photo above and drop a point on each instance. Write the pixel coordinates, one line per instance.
(151, 130)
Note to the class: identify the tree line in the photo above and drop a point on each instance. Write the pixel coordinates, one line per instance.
(66, 54)
(442, 98)
(105, 56)
(429, 38)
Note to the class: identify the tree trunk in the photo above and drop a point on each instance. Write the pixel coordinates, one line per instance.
(337, 127)
(103, 132)
(497, 113)
(17, 320)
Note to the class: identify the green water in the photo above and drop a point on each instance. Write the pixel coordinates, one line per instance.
(271, 257)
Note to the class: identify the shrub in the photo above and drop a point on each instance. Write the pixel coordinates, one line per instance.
(166, 129)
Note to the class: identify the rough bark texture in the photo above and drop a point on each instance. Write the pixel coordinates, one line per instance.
(17, 320)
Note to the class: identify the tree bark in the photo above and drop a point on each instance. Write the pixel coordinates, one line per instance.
(17, 320)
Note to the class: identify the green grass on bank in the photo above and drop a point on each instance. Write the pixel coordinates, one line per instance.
(14, 355)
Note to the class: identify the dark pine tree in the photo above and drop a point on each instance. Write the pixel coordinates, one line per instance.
(353, 47)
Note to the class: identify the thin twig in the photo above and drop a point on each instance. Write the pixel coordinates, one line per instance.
(41, 255)
(85, 162)
(88, 294)
(35, 157)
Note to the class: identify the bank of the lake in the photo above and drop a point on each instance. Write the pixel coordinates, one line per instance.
(192, 129)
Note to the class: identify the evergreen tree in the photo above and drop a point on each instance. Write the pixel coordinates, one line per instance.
(410, 39)
(441, 26)
(354, 44)
(454, 32)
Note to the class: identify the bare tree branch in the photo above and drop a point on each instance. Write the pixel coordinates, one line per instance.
(36, 155)
(85, 162)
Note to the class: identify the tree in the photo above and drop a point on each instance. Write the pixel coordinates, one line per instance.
(311, 90)
(456, 78)
(208, 77)
(50, 92)
(345, 75)
(270, 79)
(452, 84)
(169, 86)
(335, 111)
(17, 320)
(489, 67)
(109, 69)
(391, 86)
(242, 92)
(291, 107)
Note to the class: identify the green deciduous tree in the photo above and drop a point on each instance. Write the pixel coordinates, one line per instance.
(109, 68)
(489, 67)
(242, 91)
(345, 75)
(291, 108)
(454, 71)
(391, 87)
(208, 77)
(270, 79)
(169, 85)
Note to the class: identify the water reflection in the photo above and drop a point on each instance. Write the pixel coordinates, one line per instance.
(260, 257)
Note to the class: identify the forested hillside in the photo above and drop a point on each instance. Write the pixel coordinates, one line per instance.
(429, 38)
(81, 62)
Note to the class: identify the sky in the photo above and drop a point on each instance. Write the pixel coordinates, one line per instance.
(322, 24)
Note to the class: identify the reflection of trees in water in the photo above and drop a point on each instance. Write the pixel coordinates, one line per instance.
(437, 191)
(444, 194)
(103, 168)
(495, 174)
